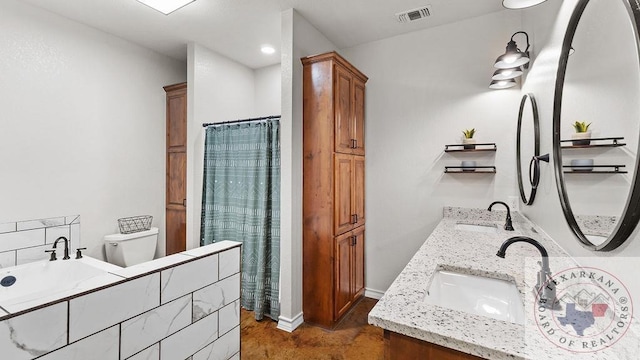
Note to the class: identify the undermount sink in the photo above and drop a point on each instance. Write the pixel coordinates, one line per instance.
(494, 298)
(490, 229)
(596, 239)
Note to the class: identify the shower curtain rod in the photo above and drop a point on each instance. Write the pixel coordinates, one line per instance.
(242, 120)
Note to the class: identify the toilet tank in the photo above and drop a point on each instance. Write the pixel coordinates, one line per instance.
(130, 249)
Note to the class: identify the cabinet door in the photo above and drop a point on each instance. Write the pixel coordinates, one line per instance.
(358, 117)
(357, 190)
(343, 264)
(343, 219)
(357, 260)
(343, 111)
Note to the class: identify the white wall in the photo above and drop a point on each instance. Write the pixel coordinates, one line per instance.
(548, 22)
(268, 89)
(424, 88)
(219, 89)
(83, 124)
(299, 39)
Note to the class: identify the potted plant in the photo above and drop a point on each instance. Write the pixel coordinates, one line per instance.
(468, 140)
(582, 136)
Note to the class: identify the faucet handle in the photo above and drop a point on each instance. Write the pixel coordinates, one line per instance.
(53, 254)
(548, 298)
(79, 252)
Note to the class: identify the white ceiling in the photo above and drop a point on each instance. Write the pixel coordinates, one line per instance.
(238, 28)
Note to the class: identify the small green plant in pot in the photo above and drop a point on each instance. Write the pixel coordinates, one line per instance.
(468, 140)
(582, 136)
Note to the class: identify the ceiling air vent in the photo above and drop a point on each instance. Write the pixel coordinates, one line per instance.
(415, 14)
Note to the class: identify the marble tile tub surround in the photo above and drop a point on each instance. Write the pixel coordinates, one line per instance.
(403, 311)
(23, 242)
(128, 319)
(38, 283)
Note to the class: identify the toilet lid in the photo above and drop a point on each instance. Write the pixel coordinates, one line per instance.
(136, 235)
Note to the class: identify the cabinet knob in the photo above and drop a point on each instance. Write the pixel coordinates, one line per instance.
(354, 219)
(354, 143)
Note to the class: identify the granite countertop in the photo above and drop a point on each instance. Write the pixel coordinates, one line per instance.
(402, 309)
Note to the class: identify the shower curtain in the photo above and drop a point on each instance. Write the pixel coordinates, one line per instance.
(241, 202)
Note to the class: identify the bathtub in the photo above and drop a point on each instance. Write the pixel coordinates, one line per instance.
(29, 285)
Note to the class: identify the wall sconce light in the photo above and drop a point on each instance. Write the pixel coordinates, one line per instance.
(513, 56)
(506, 74)
(520, 4)
(502, 84)
(510, 65)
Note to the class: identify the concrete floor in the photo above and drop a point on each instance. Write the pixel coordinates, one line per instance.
(352, 339)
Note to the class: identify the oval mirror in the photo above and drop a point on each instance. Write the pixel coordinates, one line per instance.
(528, 149)
(595, 123)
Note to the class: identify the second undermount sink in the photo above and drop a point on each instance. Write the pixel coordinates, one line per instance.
(596, 239)
(490, 229)
(494, 298)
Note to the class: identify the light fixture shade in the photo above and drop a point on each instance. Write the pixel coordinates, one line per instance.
(506, 74)
(166, 6)
(512, 57)
(506, 61)
(502, 84)
(520, 4)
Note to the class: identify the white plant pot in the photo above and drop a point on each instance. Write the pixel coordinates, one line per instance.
(469, 143)
(582, 165)
(468, 165)
(583, 138)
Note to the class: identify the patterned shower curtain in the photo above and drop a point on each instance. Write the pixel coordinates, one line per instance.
(241, 202)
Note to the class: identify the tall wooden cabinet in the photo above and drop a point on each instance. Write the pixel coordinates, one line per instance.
(333, 187)
(176, 202)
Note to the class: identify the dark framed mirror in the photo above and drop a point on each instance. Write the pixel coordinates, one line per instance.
(528, 148)
(598, 83)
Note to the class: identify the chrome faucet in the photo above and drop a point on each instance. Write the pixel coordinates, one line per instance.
(545, 288)
(507, 225)
(66, 247)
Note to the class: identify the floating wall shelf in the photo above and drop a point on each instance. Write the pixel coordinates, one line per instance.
(478, 147)
(575, 169)
(600, 142)
(469, 170)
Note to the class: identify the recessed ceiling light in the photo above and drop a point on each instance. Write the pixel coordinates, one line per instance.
(521, 4)
(267, 49)
(166, 6)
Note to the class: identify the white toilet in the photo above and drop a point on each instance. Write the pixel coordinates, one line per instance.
(130, 249)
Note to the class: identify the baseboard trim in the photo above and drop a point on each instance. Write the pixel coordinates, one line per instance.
(289, 325)
(372, 293)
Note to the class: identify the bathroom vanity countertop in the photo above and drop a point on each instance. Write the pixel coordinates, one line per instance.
(402, 309)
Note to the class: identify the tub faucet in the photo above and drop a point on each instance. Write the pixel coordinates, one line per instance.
(507, 225)
(545, 288)
(66, 247)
